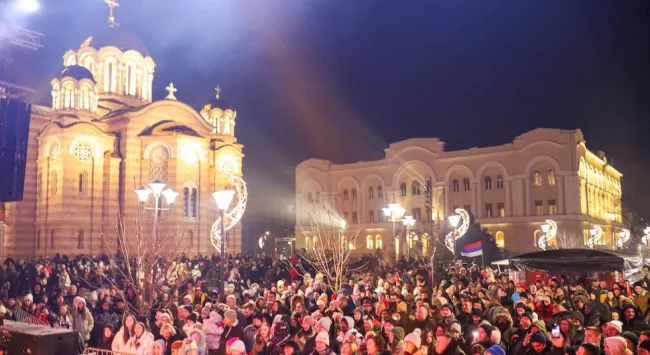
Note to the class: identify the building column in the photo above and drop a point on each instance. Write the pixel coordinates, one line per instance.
(479, 200)
(447, 208)
(475, 200)
(527, 200)
(560, 194)
(508, 200)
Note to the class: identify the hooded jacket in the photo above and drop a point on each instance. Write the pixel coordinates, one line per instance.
(213, 328)
(83, 321)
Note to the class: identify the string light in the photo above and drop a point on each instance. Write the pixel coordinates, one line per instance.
(624, 237)
(596, 233)
(459, 231)
(550, 231)
(234, 216)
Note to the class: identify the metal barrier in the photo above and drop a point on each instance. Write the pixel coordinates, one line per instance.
(95, 351)
(22, 316)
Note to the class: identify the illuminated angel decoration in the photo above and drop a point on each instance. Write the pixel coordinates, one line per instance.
(646, 235)
(624, 235)
(550, 230)
(460, 230)
(596, 234)
(233, 216)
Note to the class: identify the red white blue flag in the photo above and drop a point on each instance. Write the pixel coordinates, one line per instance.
(472, 249)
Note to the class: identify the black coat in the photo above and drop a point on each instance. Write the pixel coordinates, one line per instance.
(229, 333)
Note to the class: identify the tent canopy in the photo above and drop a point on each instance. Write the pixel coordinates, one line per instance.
(576, 260)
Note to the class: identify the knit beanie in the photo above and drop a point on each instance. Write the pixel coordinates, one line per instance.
(238, 346)
(414, 338)
(323, 337)
(538, 337)
(495, 350)
(487, 328)
(616, 324)
(326, 323)
(399, 333)
(616, 345)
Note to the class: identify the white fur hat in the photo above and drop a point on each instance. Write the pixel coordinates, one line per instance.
(323, 337)
(414, 338)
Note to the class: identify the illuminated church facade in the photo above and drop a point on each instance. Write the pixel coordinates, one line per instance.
(102, 137)
(511, 190)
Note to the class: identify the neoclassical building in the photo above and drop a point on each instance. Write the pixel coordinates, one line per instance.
(511, 190)
(103, 137)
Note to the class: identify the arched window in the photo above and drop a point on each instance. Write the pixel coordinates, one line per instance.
(83, 181)
(80, 239)
(415, 188)
(487, 181)
(354, 194)
(455, 187)
(380, 192)
(51, 239)
(379, 243)
(500, 239)
(317, 196)
(310, 197)
(110, 79)
(499, 182)
(38, 240)
(194, 203)
(371, 193)
(402, 189)
(346, 196)
(370, 242)
(538, 178)
(466, 185)
(551, 177)
(186, 202)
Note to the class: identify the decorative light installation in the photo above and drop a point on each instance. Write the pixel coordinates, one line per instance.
(459, 231)
(596, 233)
(646, 235)
(550, 230)
(623, 237)
(234, 216)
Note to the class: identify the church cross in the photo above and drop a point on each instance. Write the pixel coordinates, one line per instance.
(218, 90)
(112, 4)
(171, 90)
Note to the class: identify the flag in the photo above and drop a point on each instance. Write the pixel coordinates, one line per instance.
(472, 249)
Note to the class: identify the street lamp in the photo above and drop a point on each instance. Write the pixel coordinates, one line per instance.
(408, 222)
(223, 199)
(394, 211)
(156, 188)
(453, 220)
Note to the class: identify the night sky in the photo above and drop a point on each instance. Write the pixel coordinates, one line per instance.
(342, 79)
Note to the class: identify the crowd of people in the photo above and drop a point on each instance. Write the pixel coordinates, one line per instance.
(281, 306)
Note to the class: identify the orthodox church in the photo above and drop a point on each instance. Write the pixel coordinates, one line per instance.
(103, 137)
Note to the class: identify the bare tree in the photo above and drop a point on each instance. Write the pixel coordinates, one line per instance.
(137, 260)
(331, 243)
(564, 240)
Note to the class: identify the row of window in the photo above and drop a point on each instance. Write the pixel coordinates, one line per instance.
(416, 213)
(549, 209)
(539, 180)
(487, 184)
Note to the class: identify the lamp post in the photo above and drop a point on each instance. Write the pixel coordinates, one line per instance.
(156, 188)
(223, 199)
(394, 211)
(408, 222)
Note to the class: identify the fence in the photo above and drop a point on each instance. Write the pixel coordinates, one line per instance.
(24, 317)
(95, 351)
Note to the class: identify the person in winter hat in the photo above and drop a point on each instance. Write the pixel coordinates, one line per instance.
(495, 350)
(237, 348)
(413, 342)
(616, 346)
(322, 345)
(213, 328)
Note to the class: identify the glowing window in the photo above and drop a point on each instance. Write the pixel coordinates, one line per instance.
(538, 179)
(500, 240)
(370, 242)
(415, 187)
(83, 151)
(379, 243)
(551, 177)
(402, 189)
